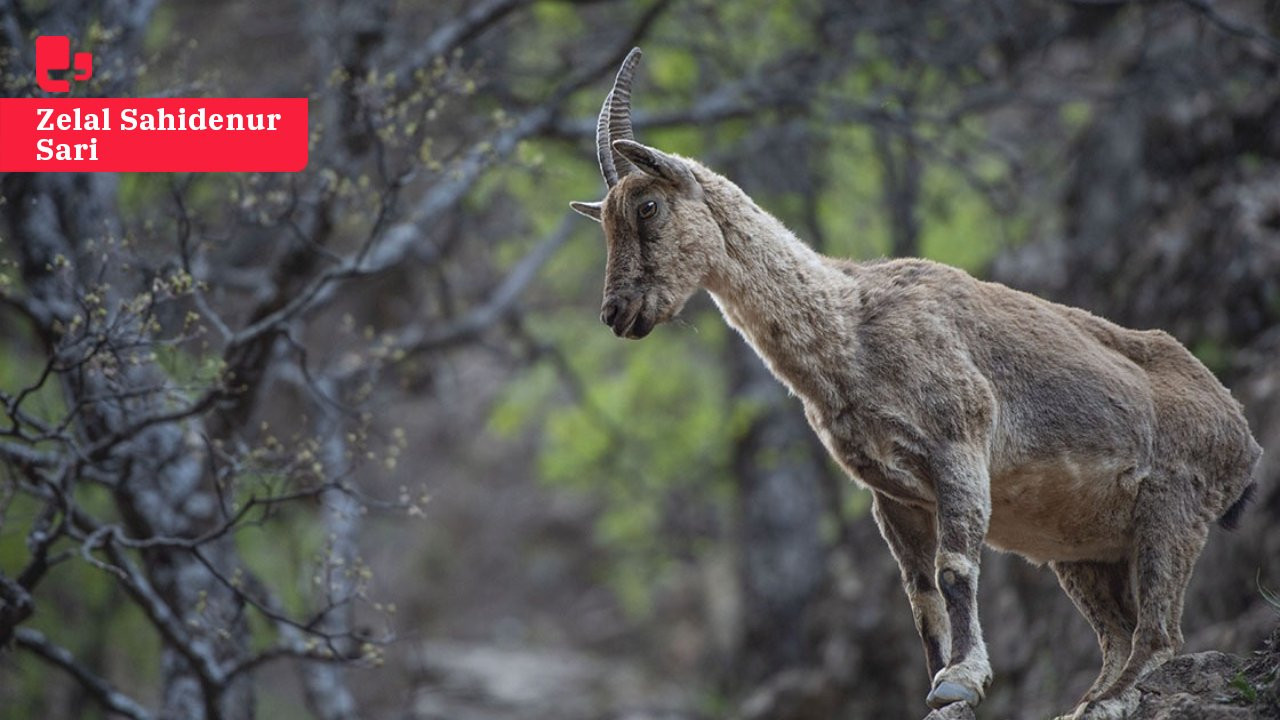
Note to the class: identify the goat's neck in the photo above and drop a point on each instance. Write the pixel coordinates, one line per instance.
(786, 299)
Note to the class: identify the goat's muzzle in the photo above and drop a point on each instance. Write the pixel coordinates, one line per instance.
(625, 314)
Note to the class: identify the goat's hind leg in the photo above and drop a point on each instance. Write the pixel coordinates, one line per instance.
(1100, 592)
(1168, 538)
(912, 537)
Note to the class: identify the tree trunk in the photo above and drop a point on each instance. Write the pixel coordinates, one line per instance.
(161, 488)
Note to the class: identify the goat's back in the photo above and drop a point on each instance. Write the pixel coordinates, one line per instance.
(1202, 435)
(1069, 383)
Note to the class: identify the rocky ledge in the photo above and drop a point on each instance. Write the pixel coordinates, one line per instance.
(1203, 686)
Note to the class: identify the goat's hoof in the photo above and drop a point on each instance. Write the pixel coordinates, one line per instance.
(964, 682)
(947, 692)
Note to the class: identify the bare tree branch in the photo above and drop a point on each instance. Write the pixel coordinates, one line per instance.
(500, 304)
(1231, 26)
(104, 692)
(453, 33)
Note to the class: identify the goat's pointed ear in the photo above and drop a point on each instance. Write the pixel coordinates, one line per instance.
(654, 162)
(590, 209)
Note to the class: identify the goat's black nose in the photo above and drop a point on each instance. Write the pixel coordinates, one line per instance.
(609, 311)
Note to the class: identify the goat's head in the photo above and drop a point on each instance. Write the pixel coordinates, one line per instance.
(662, 239)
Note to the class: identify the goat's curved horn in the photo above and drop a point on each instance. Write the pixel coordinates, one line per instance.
(620, 110)
(604, 150)
(614, 122)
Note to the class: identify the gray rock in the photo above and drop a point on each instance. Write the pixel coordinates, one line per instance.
(954, 711)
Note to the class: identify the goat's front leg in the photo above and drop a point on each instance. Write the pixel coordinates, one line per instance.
(963, 490)
(912, 536)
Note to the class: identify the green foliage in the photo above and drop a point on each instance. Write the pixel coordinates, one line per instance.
(31, 680)
(715, 703)
(136, 190)
(1241, 685)
(288, 551)
(19, 516)
(751, 34)
(673, 69)
(161, 30)
(280, 706)
(653, 419)
(852, 212)
(19, 370)
(137, 194)
(77, 590)
(1215, 355)
(558, 19)
(687, 141)
(1075, 115)
(958, 225)
(189, 370)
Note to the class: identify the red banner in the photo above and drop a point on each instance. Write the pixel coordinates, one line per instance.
(153, 135)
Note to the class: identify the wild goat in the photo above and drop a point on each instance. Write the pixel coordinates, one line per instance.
(972, 411)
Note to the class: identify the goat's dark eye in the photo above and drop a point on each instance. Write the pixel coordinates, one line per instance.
(647, 210)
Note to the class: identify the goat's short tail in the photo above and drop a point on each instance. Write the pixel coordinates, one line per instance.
(1231, 517)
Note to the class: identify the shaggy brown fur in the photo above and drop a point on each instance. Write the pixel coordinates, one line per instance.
(975, 413)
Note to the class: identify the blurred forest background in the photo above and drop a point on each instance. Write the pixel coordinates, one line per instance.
(353, 442)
